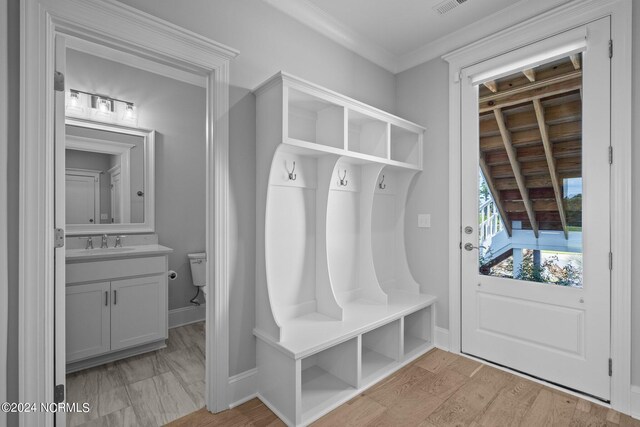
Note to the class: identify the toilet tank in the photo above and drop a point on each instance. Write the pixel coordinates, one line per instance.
(198, 268)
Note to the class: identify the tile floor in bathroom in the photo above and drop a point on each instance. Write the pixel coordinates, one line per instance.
(147, 390)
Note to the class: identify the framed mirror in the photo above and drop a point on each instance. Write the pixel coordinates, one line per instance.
(109, 178)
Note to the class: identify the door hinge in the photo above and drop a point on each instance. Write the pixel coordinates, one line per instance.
(610, 155)
(610, 367)
(58, 393)
(610, 260)
(610, 49)
(58, 81)
(59, 238)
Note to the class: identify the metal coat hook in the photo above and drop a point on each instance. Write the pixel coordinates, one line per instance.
(343, 179)
(292, 175)
(381, 184)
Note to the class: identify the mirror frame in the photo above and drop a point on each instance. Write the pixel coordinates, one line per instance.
(148, 226)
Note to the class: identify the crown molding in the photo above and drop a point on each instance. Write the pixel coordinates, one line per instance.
(135, 61)
(315, 18)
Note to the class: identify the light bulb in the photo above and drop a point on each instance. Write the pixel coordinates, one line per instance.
(74, 98)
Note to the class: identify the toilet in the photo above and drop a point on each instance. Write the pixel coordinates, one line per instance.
(198, 262)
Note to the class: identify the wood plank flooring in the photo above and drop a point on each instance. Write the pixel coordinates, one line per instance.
(440, 389)
(147, 390)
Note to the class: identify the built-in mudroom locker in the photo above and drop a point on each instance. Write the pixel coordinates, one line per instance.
(337, 308)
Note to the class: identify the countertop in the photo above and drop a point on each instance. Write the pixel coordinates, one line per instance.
(108, 253)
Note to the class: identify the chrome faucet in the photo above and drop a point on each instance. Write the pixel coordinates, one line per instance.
(105, 242)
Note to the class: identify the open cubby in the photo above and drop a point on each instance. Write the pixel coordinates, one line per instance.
(380, 350)
(418, 330)
(405, 146)
(367, 135)
(312, 119)
(328, 375)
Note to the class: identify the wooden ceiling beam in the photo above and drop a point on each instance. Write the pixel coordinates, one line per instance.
(530, 74)
(551, 162)
(534, 90)
(515, 165)
(558, 133)
(561, 150)
(532, 182)
(486, 171)
(536, 206)
(568, 165)
(575, 60)
(491, 85)
(561, 113)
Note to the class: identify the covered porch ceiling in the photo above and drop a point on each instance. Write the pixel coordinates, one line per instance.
(531, 141)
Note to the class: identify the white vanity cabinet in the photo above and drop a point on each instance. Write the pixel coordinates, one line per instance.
(88, 314)
(115, 307)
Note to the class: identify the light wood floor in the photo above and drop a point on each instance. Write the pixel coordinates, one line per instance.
(147, 390)
(440, 389)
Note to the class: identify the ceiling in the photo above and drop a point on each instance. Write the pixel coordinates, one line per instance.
(399, 34)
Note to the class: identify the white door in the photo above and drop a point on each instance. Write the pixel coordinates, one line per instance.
(59, 223)
(80, 198)
(87, 320)
(535, 210)
(138, 311)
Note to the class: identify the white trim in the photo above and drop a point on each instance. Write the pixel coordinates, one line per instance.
(331, 27)
(4, 204)
(441, 339)
(242, 387)
(635, 401)
(317, 19)
(135, 61)
(187, 315)
(550, 23)
(123, 150)
(111, 23)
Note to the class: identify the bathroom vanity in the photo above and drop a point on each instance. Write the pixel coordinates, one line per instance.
(116, 303)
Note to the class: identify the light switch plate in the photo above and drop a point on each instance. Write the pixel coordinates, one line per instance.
(104, 216)
(424, 220)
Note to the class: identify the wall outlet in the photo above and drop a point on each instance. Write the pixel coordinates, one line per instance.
(424, 220)
(104, 216)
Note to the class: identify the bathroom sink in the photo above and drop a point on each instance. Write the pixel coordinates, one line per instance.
(112, 252)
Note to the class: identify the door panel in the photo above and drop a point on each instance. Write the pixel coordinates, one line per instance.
(87, 320)
(138, 313)
(80, 199)
(535, 212)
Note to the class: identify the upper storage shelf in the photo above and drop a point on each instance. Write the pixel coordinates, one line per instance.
(319, 119)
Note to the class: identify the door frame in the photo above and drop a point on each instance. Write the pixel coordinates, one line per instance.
(558, 20)
(130, 30)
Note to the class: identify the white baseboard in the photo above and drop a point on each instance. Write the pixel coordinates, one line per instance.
(186, 315)
(635, 401)
(442, 338)
(242, 387)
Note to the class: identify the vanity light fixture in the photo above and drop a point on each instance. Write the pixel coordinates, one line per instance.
(99, 107)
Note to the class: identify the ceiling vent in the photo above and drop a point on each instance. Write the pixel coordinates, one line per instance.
(448, 6)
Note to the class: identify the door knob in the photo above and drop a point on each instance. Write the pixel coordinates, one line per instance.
(469, 246)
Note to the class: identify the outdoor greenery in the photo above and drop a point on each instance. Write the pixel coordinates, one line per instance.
(549, 271)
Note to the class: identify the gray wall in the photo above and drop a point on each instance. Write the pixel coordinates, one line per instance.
(268, 41)
(422, 96)
(176, 111)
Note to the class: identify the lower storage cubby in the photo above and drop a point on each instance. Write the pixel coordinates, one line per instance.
(380, 351)
(418, 329)
(328, 376)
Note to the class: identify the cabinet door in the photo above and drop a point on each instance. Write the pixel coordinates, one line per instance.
(138, 311)
(87, 320)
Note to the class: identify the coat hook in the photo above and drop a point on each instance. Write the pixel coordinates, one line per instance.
(381, 184)
(343, 181)
(292, 175)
